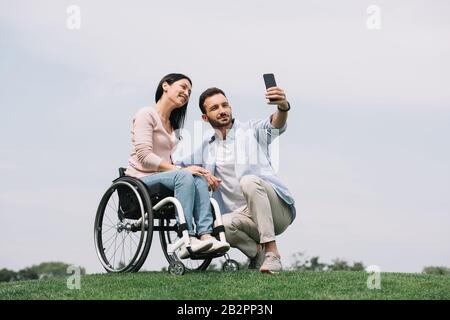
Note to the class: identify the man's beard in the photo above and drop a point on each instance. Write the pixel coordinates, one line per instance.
(218, 124)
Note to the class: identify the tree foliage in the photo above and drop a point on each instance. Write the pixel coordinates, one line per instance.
(303, 263)
(40, 271)
(436, 270)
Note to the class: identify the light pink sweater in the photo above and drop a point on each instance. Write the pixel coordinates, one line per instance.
(151, 143)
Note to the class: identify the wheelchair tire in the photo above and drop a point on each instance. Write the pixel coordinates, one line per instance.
(112, 224)
(176, 268)
(230, 266)
(172, 236)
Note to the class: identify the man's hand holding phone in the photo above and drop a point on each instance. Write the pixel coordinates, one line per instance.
(275, 94)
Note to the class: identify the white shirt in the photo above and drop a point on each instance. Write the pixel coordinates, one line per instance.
(230, 187)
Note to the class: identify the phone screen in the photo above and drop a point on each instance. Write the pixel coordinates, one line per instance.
(269, 80)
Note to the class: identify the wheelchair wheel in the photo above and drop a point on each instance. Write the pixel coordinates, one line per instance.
(176, 268)
(230, 266)
(167, 237)
(123, 228)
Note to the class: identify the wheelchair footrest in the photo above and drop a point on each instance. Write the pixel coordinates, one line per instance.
(165, 228)
(203, 256)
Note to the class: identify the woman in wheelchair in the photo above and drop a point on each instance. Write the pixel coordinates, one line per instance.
(155, 134)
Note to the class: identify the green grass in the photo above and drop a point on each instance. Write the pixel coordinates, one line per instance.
(242, 285)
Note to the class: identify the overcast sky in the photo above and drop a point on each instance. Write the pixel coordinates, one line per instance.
(366, 154)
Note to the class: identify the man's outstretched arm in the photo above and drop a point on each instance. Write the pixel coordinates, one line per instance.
(277, 96)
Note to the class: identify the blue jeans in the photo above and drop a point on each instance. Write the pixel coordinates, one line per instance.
(192, 192)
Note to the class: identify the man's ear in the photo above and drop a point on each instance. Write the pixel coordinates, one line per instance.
(205, 118)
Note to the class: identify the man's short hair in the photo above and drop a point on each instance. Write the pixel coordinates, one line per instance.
(206, 94)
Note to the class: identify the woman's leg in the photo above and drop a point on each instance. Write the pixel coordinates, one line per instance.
(202, 207)
(203, 217)
(182, 182)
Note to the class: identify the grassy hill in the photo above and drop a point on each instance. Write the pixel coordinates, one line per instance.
(242, 285)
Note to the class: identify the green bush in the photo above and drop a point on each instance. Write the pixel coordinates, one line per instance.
(40, 271)
(303, 263)
(7, 275)
(436, 270)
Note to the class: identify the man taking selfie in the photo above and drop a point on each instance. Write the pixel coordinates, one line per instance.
(256, 205)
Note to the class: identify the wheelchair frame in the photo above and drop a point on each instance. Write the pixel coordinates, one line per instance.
(133, 218)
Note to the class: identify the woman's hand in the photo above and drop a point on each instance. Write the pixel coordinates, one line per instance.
(197, 171)
(213, 182)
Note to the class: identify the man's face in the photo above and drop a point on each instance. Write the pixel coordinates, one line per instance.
(218, 111)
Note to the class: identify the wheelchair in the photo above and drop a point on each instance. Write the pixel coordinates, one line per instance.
(128, 214)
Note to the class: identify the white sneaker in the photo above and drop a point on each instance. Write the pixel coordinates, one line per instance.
(197, 246)
(272, 263)
(217, 246)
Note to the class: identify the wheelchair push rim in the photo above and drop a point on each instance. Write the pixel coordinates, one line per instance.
(121, 242)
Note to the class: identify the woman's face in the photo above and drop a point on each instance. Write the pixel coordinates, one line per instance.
(178, 92)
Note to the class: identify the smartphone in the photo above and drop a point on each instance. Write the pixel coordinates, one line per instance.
(269, 80)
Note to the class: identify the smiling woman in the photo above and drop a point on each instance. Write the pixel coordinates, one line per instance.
(172, 97)
(155, 129)
(154, 138)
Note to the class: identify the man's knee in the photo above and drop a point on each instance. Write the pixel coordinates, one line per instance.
(250, 183)
(229, 223)
(232, 226)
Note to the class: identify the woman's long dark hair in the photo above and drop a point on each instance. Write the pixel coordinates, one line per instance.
(178, 115)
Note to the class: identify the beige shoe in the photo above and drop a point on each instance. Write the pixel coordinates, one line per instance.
(197, 246)
(272, 263)
(217, 246)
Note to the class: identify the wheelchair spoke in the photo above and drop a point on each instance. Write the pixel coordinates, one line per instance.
(110, 245)
(109, 228)
(109, 239)
(107, 217)
(114, 253)
(111, 207)
(133, 239)
(112, 197)
(131, 252)
(117, 248)
(123, 254)
(131, 245)
(124, 251)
